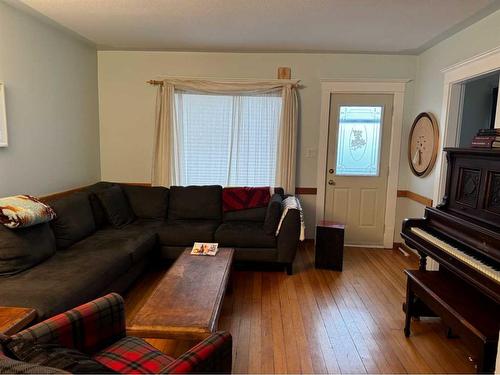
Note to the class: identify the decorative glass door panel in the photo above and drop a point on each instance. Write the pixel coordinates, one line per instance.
(358, 148)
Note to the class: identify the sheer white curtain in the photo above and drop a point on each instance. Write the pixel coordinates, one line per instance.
(232, 133)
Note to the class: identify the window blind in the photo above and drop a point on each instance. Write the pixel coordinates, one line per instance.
(229, 140)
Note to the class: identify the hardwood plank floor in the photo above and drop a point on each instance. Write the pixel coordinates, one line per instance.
(319, 321)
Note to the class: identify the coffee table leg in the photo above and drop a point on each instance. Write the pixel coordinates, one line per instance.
(230, 281)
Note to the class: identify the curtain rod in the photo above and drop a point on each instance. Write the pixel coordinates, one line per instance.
(292, 81)
(154, 82)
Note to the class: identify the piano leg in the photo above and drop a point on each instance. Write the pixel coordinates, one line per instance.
(422, 266)
(410, 299)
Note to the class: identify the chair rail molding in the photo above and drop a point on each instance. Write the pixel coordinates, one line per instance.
(396, 87)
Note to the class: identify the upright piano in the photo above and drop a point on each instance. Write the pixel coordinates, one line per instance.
(463, 235)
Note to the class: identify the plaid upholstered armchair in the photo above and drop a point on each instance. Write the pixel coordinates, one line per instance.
(97, 329)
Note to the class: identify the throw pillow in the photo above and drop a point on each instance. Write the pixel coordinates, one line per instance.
(273, 214)
(74, 221)
(116, 206)
(55, 356)
(22, 211)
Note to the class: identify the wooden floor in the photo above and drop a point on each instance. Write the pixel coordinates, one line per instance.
(319, 321)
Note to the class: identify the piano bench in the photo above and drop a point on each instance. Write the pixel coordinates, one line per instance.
(470, 314)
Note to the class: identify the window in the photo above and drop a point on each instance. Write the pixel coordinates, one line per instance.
(229, 140)
(358, 148)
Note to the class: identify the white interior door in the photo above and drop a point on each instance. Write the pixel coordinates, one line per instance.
(358, 165)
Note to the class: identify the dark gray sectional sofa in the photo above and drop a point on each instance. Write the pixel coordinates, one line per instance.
(80, 255)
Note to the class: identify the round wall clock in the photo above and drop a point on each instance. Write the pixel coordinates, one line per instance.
(423, 144)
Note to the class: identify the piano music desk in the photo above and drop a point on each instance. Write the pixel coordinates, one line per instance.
(475, 318)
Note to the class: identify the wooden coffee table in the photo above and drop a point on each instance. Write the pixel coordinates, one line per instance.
(14, 319)
(186, 304)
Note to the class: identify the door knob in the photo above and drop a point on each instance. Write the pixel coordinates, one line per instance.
(331, 182)
(330, 170)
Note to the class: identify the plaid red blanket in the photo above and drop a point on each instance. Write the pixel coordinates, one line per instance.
(241, 198)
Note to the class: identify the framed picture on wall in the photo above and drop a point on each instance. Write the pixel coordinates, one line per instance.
(3, 118)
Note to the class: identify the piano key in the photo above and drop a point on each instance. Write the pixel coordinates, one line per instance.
(472, 261)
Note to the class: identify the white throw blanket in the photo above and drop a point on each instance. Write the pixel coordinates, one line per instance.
(292, 203)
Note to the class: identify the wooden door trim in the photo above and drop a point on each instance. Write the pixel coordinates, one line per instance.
(397, 89)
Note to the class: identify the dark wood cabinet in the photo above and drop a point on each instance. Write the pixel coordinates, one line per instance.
(329, 245)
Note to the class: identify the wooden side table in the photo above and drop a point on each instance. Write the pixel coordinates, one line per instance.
(14, 319)
(329, 245)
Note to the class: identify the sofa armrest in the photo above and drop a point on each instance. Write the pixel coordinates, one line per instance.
(87, 328)
(212, 355)
(288, 236)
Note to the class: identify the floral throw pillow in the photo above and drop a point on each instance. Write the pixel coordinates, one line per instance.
(24, 211)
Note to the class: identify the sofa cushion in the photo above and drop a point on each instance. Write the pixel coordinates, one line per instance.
(186, 233)
(69, 278)
(148, 202)
(116, 206)
(244, 234)
(195, 202)
(97, 208)
(138, 239)
(273, 214)
(24, 248)
(251, 214)
(133, 355)
(74, 220)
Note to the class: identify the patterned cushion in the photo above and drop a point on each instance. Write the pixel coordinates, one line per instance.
(132, 355)
(87, 328)
(12, 366)
(55, 356)
(24, 211)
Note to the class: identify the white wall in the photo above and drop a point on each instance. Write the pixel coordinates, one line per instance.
(52, 107)
(126, 102)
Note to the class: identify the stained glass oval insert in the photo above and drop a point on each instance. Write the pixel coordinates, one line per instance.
(359, 140)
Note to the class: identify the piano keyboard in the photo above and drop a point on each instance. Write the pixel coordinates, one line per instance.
(475, 263)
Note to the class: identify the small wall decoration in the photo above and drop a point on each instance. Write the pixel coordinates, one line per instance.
(423, 144)
(3, 118)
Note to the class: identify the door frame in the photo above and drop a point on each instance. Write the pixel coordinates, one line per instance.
(396, 87)
(454, 78)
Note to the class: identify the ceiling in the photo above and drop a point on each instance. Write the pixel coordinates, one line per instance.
(376, 26)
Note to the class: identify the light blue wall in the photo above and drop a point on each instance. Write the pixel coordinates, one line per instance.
(52, 107)
(478, 38)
